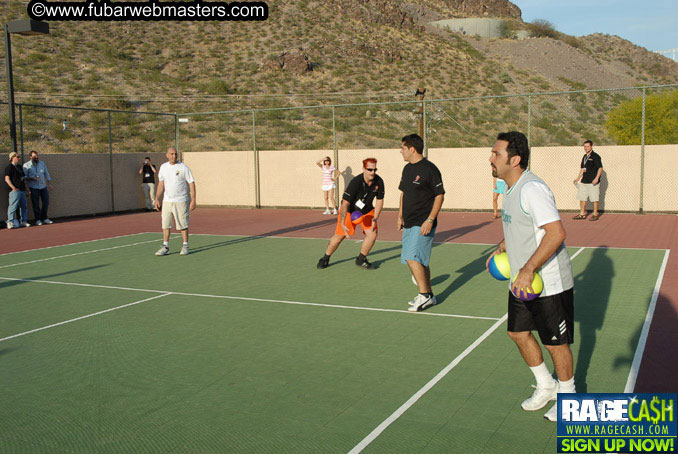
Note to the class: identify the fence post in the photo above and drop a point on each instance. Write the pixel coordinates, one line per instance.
(642, 154)
(336, 155)
(529, 125)
(423, 116)
(176, 133)
(257, 193)
(110, 160)
(21, 131)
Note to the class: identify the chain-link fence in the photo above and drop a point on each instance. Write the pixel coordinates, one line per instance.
(271, 152)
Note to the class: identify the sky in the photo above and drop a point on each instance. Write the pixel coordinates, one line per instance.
(652, 24)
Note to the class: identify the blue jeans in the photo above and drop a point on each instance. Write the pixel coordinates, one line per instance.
(17, 199)
(38, 195)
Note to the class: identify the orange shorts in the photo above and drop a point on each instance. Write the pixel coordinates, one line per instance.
(365, 222)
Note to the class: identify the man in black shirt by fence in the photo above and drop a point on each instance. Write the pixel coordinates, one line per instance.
(147, 172)
(588, 181)
(420, 202)
(359, 196)
(15, 179)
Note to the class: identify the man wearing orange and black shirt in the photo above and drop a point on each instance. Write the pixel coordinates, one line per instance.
(360, 197)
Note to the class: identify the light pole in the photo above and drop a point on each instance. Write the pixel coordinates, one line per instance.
(20, 27)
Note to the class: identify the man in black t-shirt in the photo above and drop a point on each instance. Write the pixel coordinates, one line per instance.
(359, 207)
(14, 177)
(420, 202)
(588, 181)
(147, 172)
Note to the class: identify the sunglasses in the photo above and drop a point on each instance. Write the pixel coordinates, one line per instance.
(371, 170)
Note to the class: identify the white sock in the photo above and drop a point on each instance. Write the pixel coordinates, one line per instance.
(166, 244)
(566, 386)
(543, 376)
(185, 243)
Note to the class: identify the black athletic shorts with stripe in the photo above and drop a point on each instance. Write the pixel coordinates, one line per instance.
(551, 316)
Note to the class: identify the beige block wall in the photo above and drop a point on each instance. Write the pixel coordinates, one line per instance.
(81, 182)
(291, 178)
(127, 181)
(467, 176)
(223, 178)
(620, 182)
(661, 168)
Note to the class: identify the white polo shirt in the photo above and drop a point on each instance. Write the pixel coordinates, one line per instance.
(176, 179)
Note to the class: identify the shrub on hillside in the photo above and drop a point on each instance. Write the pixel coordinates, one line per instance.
(541, 28)
(661, 120)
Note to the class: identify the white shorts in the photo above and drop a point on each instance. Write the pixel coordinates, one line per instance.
(176, 210)
(588, 191)
(327, 187)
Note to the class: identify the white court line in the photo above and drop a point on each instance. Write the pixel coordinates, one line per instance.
(412, 400)
(577, 253)
(77, 253)
(399, 241)
(427, 387)
(640, 348)
(72, 244)
(83, 317)
(243, 298)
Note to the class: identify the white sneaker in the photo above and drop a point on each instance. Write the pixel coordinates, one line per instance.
(38, 222)
(327, 211)
(10, 225)
(25, 224)
(552, 414)
(47, 221)
(541, 396)
(334, 211)
(184, 250)
(163, 251)
(422, 303)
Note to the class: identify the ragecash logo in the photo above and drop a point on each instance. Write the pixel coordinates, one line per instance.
(623, 422)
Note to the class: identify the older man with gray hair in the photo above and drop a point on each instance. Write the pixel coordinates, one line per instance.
(176, 195)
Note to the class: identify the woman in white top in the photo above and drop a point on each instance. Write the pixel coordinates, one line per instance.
(330, 174)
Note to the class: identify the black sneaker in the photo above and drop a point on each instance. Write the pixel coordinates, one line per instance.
(323, 263)
(365, 264)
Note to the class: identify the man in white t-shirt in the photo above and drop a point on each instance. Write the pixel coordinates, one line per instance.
(534, 242)
(176, 183)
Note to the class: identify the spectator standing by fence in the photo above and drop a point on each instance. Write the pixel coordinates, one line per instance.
(14, 177)
(38, 179)
(330, 175)
(588, 181)
(147, 172)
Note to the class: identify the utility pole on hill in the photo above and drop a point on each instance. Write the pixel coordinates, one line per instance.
(420, 97)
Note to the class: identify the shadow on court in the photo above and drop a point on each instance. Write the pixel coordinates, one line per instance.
(295, 228)
(592, 294)
(439, 237)
(467, 272)
(8, 283)
(453, 234)
(372, 256)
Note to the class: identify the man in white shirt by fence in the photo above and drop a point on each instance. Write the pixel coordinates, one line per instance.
(176, 184)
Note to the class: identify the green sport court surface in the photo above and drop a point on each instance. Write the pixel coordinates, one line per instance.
(243, 346)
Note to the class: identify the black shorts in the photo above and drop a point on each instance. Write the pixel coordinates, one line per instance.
(551, 316)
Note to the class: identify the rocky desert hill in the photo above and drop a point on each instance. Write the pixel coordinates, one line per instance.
(312, 52)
